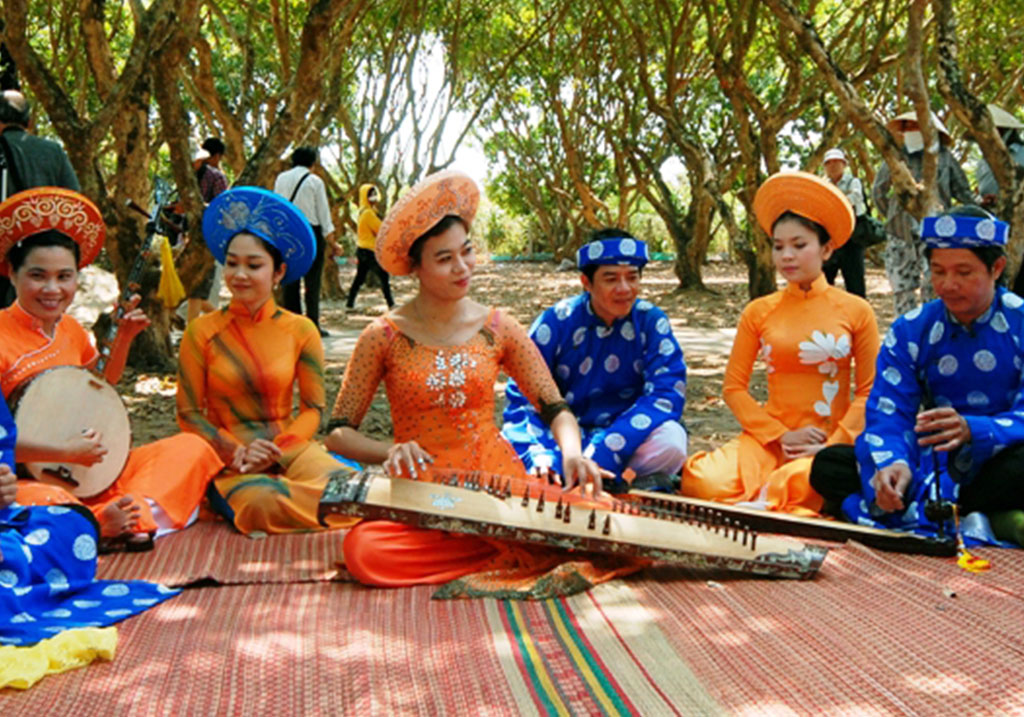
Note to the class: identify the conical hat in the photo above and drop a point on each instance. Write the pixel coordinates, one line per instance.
(893, 124)
(1002, 118)
(809, 196)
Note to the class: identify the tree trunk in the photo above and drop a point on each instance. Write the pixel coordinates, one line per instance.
(905, 187)
(331, 287)
(974, 115)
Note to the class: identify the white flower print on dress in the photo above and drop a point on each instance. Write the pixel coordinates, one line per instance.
(825, 349)
(766, 356)
(450, 373)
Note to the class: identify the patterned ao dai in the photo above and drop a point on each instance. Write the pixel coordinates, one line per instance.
(236, 383)
(808, 340)
(443, 396)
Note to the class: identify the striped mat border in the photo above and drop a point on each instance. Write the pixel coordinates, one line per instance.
(599, 652)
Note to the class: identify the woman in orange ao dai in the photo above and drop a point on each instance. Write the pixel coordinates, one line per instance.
(46, 235)
(239, 368)
(439, 356)
(809, 335)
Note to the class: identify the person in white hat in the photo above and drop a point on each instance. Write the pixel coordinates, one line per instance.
(904, 253)
(849, 258)
(1009, 128)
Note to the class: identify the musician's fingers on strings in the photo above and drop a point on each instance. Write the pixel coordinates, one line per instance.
(594, 476)
(407, 460)
(945, 441)
(944, 428)
(890, 483)
(400, 467)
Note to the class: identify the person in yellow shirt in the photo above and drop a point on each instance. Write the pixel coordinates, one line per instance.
(366, 242)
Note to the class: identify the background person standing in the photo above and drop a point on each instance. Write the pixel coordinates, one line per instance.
(306, 190)
(28, 161)
(848, 258)
(212, 182)
(904, 252)
(366, 244)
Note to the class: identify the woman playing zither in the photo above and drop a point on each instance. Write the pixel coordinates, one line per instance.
(239, 367)
(46, 236)
(439, 356)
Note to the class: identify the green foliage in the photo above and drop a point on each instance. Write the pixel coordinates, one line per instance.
(577, 106)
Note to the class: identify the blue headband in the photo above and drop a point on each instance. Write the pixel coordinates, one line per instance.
(266, 215)
(954, 231)
(622, 251)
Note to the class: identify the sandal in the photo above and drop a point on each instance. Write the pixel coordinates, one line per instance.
(139, 543)
(126, 543)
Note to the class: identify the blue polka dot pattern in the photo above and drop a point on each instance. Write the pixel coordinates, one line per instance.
(47, 572)
(621, 381)
(976, 370)
(619, 251)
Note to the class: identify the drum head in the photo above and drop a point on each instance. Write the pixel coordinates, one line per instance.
(59, 405)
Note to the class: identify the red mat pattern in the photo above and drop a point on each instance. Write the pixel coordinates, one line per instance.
(874, 634)
(216, 551)
(274, 649)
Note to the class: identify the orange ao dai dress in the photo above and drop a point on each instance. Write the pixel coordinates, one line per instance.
(168, 477)
(443, 398)
(809, 341)
(237, 376)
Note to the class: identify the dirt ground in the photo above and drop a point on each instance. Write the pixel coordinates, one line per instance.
(524, 290)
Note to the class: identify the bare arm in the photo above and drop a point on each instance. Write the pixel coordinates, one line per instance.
(352, 444)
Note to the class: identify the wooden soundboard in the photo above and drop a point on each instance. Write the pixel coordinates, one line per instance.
(465, 503)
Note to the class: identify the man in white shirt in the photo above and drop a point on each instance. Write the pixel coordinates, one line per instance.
(849, 258)
(306, 190)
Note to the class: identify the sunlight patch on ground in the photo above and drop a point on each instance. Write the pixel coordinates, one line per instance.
(941, 684)
(156, 385)
(712, 611)
(732, 638)
(176, 612)
(268, 567)
(764, 624)
(288, 642)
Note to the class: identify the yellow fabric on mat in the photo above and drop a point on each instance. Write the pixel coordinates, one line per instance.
(22, 667)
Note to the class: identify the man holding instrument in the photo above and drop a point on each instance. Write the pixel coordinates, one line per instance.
(619, 367)
(945, 419)
(46, 235)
